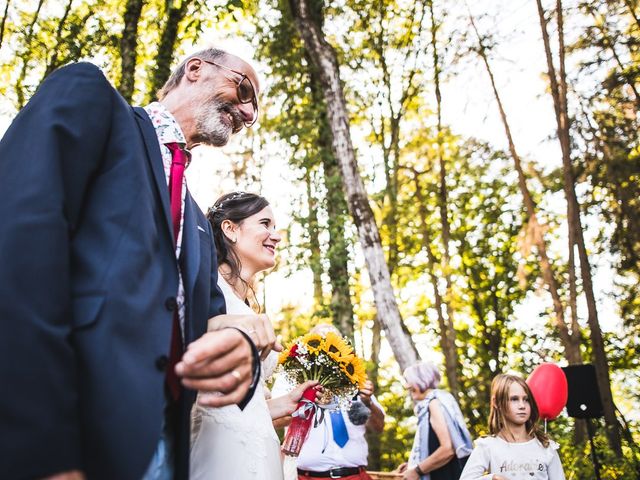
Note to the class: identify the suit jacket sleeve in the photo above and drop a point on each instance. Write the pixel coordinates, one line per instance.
(48, 157)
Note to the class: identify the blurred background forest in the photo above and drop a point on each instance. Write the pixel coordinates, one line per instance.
(457, 182)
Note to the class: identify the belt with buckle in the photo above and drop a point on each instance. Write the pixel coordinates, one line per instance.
(333, 473)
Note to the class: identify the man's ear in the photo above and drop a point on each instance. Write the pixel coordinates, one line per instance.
(193, 69)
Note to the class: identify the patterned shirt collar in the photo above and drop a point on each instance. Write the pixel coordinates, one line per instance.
(167, 128)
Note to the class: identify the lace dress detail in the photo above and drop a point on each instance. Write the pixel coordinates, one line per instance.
(229, 443)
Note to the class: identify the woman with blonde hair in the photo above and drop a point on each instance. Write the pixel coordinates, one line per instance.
(516, 447)
(442, 442)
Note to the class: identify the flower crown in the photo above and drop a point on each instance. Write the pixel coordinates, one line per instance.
(220, 206)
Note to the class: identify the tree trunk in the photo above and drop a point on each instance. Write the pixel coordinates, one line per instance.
(338, 253)
(164, 58)
(324, 59)
(448, 349)
(5, 15)
(570, 339)
(390, 161)
(632, 12)
(373, 438)
(336, 207)
(609, 43)
(391, 150)
(559, 93)
(447, 329)
(25, 61)
(315, 255)
(580, 431)
(128, 48)
(53, 62)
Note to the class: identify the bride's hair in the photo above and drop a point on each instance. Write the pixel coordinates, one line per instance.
(234, 206)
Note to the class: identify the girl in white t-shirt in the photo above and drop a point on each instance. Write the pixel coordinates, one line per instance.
(516, 448)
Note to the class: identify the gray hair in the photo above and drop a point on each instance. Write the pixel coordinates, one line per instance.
(424, 375)
(211, 54)
(324, 328)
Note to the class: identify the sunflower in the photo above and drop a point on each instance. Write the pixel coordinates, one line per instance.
(335, 345)
(339, 359)
(289, 351)
(284, 354)
(354, 370)
(313, 342)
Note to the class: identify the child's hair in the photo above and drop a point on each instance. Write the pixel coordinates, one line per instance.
(499, 404)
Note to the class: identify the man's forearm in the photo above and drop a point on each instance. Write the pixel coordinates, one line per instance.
(376, 419)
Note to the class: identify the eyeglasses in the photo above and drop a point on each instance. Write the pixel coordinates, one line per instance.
(244, 90)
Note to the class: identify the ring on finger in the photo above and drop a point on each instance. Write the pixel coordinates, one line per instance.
(249, 332)
(236, 374)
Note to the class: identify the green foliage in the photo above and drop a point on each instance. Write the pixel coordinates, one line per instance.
(577, 460)
(387, 66)
(609, 162)
(400, 423)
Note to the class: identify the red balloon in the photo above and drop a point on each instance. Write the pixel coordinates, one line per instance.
(548, 384)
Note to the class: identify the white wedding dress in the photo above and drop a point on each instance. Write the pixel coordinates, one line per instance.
(232, 444)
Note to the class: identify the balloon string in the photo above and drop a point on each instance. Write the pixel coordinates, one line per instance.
(545, 425)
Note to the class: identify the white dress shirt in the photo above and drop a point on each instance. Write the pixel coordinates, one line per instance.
(320, 453)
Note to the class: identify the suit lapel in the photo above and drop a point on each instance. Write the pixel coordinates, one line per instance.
(154, 157)
(190, 252)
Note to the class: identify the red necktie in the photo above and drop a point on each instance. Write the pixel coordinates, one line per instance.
(179, 160)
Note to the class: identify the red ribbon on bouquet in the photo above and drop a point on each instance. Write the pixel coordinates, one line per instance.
(302, 418)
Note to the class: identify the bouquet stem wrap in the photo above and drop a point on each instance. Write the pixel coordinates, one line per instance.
(302, 419)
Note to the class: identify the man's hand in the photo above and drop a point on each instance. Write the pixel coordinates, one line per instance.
(376, 419)
(258, 327)
(71, 475)
(365, 393)
(218, 362)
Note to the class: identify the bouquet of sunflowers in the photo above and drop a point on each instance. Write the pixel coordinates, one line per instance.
(329, 359)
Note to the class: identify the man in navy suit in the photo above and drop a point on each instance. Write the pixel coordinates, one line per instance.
(97, 275)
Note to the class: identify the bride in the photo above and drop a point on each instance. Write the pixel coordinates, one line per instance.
(229, 443)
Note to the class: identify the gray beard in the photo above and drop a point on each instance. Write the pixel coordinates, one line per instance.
(210, 129)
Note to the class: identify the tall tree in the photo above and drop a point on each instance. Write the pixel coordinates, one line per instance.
(558, 86)
(174, 15)
(26, 56)
(448, 347)
(3, 23)
(324, 59)
(447, 330)
(54, 61)
(128, 47)
(570, 337)
(393, 39)
(313, 231)
(301, 122)
(340, 304)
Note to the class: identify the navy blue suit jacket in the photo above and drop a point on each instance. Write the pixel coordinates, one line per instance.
(88, 277)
